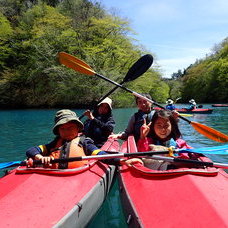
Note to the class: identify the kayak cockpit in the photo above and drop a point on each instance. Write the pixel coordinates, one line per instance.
(166, 168)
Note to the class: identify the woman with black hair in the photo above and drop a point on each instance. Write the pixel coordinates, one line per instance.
(163, 130)
(160, 134)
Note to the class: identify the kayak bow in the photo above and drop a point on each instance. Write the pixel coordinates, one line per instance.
(182, 197)
(54, 198)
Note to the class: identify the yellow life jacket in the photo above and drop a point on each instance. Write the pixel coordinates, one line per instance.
(71, 149)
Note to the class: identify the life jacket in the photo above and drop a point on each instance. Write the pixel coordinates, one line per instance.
(68, 150)
(143, 144)
(181, 144)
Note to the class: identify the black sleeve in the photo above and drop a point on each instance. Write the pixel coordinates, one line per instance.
(107, 125)
(89, 147)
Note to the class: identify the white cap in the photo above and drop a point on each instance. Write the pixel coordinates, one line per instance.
(192, 101)
(107, 101)
(169, 101)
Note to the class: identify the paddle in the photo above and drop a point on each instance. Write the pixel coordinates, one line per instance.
(183, 114)
(210, 150)
(193, 162)
(136, 70)
(84, 68)
(177, 100)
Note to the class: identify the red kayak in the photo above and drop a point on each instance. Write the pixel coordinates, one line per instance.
(193, 111)
(40, 198)
(219, 105)
(183, 197)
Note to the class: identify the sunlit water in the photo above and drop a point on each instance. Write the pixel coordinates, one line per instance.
(21, 129)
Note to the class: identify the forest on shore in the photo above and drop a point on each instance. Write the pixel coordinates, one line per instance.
(33, 32)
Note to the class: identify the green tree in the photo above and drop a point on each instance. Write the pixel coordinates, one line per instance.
(6, 32)
(31, 74)
(206, 80)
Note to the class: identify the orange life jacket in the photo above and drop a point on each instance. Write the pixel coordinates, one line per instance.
(71, 149)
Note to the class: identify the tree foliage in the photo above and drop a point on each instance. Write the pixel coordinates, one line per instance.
(6, 33)
(33, 32)
(207, 80)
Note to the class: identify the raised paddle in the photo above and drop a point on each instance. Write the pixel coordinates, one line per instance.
(177, 100)
(84, 68)
(136, 70)
(205, 150)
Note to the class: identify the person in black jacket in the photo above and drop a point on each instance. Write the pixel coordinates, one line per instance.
(100, 123)
(145, 112)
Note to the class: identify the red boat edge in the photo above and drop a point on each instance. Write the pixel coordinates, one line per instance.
(194, 111)
(219, 105)
(180, 197)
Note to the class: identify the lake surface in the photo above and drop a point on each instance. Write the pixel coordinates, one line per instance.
(21, 129)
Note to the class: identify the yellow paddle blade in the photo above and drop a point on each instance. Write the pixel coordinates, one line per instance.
(74, 59)
(210, 132)
(182, 114)
(75, 64)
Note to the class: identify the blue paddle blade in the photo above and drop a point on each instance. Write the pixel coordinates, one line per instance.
(5, 165)
(208, 150)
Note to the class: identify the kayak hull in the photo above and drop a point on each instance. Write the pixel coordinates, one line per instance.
(40, 200)
(219, 105)
(182, 200)
(194, 111)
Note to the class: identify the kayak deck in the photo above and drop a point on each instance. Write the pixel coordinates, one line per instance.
(181, 200)
(37, 200)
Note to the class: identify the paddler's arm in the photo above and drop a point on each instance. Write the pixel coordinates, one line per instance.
(91, 149)
(36, 153)
(132, 161)
(39, 152)
(128, 131)
(108, 125)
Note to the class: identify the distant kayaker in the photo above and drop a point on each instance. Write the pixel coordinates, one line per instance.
(160, 134)
(145, 112)
(170, 105)
(68, 130)
(192, 105)
(100, 123)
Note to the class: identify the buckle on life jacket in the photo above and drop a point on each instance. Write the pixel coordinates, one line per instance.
(171, 150)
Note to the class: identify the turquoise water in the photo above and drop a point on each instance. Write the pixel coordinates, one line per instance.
(110, 214)
(21, 129)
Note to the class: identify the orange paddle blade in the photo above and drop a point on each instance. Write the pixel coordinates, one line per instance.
(75, 64)
(210, 132)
